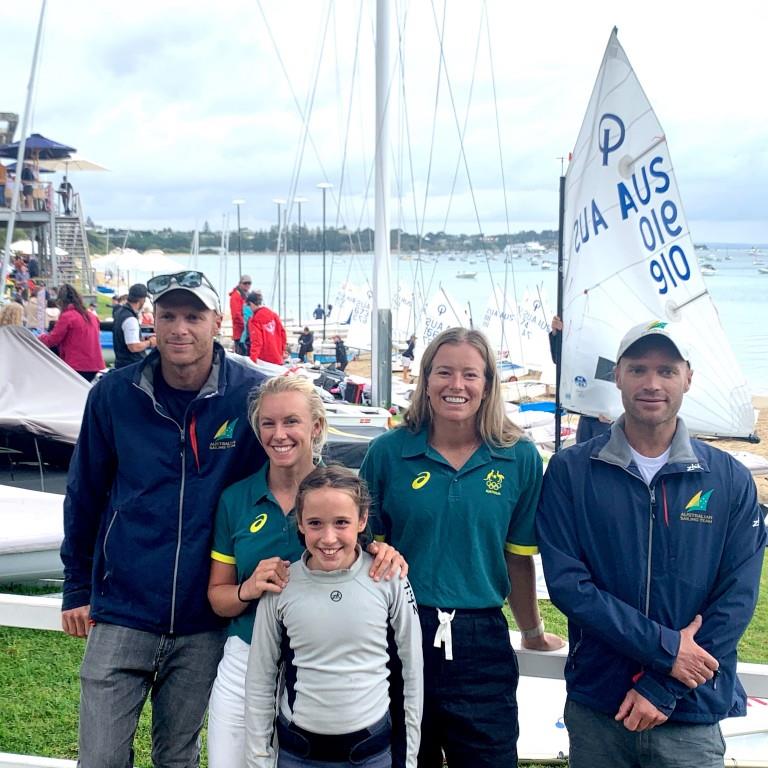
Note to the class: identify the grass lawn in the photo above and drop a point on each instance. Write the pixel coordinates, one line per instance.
(39, 684)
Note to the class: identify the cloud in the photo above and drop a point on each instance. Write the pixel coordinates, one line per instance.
(190, 108)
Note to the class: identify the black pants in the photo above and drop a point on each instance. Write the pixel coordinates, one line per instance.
(470, 704)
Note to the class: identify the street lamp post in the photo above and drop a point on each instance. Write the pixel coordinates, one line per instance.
(299, 201)
(237, 203)
(325, 186)
(280, 202)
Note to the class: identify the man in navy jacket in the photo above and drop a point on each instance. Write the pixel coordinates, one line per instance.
(652, 545)
(160, 440)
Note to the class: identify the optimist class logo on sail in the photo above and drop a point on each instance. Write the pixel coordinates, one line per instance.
(644, 196)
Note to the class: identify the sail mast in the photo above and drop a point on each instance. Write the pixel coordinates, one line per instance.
(559, 337)
(20, 156)
(381, 326)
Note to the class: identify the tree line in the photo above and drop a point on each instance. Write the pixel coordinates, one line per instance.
(311, 239)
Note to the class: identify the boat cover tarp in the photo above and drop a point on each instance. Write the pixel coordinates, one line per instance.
(39, 393)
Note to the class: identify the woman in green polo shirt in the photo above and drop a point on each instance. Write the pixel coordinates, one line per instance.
(455, 490)
(256, 539)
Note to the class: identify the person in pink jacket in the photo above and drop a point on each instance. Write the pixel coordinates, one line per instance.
(76, 334)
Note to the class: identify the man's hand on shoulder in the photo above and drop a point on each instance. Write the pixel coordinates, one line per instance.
(76, 621)
(638, 714)
(693, 665)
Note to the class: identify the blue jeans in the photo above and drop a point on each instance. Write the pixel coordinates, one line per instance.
(121, 667)
(598, 741)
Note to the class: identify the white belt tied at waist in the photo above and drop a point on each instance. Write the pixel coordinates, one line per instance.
(443, 634)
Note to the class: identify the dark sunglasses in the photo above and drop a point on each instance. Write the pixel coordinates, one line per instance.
(187, 279)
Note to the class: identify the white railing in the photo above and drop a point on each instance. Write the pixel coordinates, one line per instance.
(45, 613)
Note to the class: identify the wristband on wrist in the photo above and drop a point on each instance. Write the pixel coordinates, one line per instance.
(537, 631)
(239, 596)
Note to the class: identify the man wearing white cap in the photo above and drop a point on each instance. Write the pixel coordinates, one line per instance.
(159, 442)
(652, 544)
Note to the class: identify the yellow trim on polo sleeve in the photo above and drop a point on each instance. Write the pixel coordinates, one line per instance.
(519, 549)
(380, 537)
(228, 559)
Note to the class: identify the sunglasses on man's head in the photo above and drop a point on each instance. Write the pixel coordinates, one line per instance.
(189, 278)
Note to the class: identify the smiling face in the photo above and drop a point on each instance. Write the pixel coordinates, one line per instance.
(185, 331)
(331, 522)
(456, 384)
(652, 386)
(286, 429)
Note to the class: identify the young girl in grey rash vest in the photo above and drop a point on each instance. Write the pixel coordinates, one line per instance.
(327, 633)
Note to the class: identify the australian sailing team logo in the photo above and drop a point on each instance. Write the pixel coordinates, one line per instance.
(696, 509)
(224, 437)
(493, 482)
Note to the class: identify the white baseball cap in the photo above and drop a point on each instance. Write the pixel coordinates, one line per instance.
(189, 281)
(662, 328)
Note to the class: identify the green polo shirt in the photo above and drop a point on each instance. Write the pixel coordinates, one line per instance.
(452, 525)
(251, 527)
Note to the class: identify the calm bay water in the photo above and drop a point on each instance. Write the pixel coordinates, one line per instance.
(740, 293)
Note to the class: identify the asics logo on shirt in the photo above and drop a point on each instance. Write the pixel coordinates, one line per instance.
(420, 480)
(258, 523)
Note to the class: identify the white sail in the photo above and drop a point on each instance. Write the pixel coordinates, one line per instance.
(518, 331)
(630, 257)
(357, 306)
(442, 312)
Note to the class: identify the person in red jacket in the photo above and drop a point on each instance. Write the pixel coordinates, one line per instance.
(76, 334)
(236, 301)
(266, 332)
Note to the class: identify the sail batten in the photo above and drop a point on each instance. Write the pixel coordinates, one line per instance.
(629, 257)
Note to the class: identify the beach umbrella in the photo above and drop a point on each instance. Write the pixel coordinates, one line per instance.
(37, 147)
(67, 164)
(29, 247)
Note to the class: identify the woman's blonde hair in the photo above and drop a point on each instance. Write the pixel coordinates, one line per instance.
(11, 314)
(491, 422)
(278, 386)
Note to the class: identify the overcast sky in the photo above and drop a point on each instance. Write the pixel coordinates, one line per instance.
(189, 106)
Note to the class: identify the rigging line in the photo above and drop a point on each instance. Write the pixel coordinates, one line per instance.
(348, 127)
(308, 116)
(434, 115)
(290, 85)
(466, 120)
(461, 143)
(464, 156)
(508, 266)
(418, 272)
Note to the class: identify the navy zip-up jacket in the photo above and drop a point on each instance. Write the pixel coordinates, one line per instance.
(632, 564)
(142, 493)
